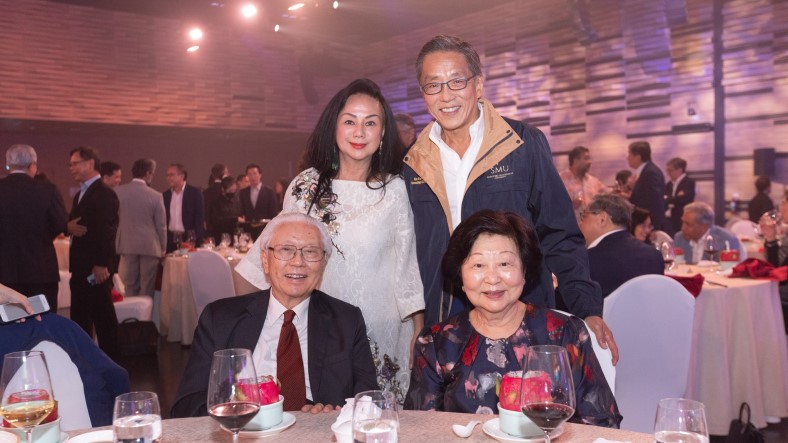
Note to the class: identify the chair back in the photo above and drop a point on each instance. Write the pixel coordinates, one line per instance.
(651, 318)
(745, 228)
(211, 278)
(67, 386)
(604, 356)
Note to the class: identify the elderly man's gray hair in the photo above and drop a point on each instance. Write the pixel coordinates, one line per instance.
(616, 206)
(20, 156)
(703, 212)
(295, 217)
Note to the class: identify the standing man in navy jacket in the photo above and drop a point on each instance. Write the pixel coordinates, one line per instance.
(649, 189)
(470, 158)
(184, 206)
(93, 223)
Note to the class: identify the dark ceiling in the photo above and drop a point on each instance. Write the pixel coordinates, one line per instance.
(354, 21)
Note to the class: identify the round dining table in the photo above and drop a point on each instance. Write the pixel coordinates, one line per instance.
(415, 426)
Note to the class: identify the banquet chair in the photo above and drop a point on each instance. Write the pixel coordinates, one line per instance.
(211, 278)
(604, 356)
(64, 290)
(745, 228)
(139, 307)
(67, 386)
(651, 319)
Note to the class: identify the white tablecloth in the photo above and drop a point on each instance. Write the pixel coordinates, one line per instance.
(739, 351)
(178, 313)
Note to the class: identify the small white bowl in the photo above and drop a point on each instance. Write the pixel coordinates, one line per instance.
(46, 433)
(517, 424)
(267, 417)
(343, 432)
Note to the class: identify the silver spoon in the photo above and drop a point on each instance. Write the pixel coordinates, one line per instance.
(464, 431)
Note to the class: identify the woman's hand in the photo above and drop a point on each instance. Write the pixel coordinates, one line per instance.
(8, 295)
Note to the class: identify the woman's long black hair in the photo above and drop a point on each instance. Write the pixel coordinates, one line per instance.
(323, 153)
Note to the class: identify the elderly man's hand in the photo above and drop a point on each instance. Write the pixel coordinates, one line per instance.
(75, 229)
(604, 336)
(319, 407)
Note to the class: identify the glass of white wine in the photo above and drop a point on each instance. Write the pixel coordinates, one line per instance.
(680, 420)
(27, 396)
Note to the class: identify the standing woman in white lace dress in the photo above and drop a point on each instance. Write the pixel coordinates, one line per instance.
(353, 185)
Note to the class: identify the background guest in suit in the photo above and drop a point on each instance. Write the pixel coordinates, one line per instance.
(183, 204)
(32, 214)
(332, 336)
(614, 254)
(258, 201)
(762, 202)
(697, 224)
(93, 223)
(649, 189)
(214, 189)
(225, 211)
(142, 232)
(111, 174)
(679, 191)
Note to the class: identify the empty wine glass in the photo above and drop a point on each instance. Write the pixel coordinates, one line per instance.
(711, 248)
(547, 393)
(679, 419)
(375, 418)
(27, 397)
(177, 239)
(137, 418)
(668, 254)
(229, 404)
(191, 238)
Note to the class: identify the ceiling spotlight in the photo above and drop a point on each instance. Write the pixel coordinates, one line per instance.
(195, 33)
(296, 6)
(336, 4)
(192, 48)
(249, 10)
(276, 28)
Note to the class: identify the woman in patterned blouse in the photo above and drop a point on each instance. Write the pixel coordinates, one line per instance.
(458, 363)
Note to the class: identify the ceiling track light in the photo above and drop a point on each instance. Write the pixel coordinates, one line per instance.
(295, 7)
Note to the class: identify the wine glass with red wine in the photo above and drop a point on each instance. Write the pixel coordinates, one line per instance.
(547, 393)
(711, 248)
(229, 404)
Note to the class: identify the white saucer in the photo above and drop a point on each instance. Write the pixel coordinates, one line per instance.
(104, 436)
(288, 420)
(493, 429)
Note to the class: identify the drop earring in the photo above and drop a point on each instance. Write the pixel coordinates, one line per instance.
(335, 160)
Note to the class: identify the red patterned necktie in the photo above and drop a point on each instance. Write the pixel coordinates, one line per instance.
(290, 365)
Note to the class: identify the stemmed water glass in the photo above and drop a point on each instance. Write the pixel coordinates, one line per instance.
(27, 397)
(375, 417)
(711, 249)
(137, 417)
(547, 393)
(177, 239)
(679, 419)
(231, 405)
(668, 254)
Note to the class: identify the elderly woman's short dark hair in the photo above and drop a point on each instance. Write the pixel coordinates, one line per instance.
(615, 206)
(487, 221)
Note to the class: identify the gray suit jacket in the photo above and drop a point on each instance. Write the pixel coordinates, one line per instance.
(143, 224)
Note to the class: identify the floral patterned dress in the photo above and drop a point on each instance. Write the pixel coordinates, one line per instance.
(458, 370)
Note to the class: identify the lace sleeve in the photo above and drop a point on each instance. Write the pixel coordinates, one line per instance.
(410, 296)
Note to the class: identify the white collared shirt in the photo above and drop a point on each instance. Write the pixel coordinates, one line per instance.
(676, 183)
(602, 237)
(698, 247)
(456, 169)
(264, 355)
(639, 170)
(176, 210)
(83, 187)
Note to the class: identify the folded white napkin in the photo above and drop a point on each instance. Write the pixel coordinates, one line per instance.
(346, 414)
(604, 440)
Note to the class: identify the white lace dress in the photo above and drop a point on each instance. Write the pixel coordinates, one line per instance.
(373, 265)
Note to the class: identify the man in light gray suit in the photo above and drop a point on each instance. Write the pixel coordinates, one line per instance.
(142, 233)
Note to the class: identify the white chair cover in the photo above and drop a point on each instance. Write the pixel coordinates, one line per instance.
(211, 278)
(64, 290)
(651, 318)
(745, 228)
(67, 386)
(604, 356)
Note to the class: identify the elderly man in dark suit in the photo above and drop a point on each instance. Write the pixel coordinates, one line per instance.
(614, 254)
(679, 192)
(649, 190)
(333, 354)
(184, 206)
(32, 214)
(93, 223)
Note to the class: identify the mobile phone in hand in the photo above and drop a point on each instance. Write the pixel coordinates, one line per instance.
(11, 311)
